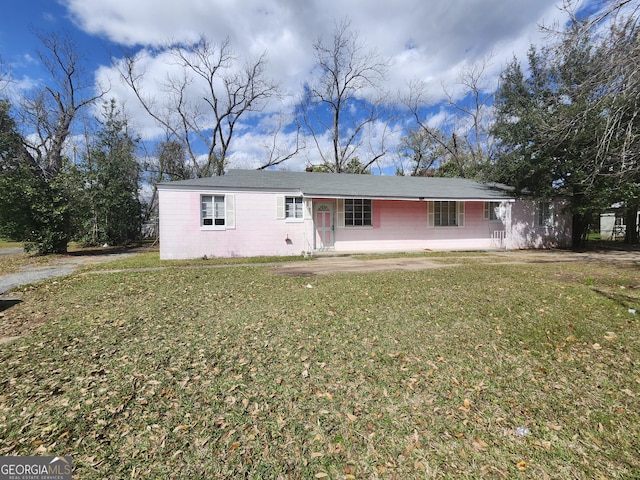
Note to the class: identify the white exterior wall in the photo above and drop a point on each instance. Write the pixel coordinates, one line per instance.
(525, 233)
(257, 231)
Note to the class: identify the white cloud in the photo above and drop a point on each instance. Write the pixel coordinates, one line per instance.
(433, 41)
(428, 40)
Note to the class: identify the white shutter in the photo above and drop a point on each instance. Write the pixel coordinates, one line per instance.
(460, 214)
(430, 214)
(340, 213)
(308, 206)
(280, 207)
(230, 211)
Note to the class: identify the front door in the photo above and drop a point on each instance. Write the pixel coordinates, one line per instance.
(324, 226)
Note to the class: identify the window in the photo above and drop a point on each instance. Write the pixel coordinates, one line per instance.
(544, 214)
(357, 212)
(213, 210)
(293, 207)
(445, 214)
(491, 210)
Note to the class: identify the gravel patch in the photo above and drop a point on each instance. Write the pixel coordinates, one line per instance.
(33, 275)
(59, 268)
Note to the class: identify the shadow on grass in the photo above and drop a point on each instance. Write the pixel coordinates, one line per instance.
(625, 301)
(7, 304)
(94, 251)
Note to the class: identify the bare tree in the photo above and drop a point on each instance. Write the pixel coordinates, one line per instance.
(203, 99)
(472, 115)
(276, 153)
(5, 78)
(461, 144)
(47, 115)
(348, 88)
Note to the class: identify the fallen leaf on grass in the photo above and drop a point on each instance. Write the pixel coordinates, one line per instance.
(479, 444)
(41, 449)
(522, 466)
(610, 336)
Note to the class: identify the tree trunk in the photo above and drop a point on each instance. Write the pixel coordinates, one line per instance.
(579, 231)
(631, 232)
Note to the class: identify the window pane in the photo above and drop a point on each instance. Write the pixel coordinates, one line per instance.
(357, 212)
(206, 212)
(293, 207)
(445, 214)
(218, 209)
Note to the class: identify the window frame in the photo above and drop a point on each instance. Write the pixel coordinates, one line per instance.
(545, 215)
(358, 219)
(297, 204)
(434, 206)
(490, 208)
(219, 212)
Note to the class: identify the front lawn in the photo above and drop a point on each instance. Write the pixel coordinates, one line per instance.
(475, 371)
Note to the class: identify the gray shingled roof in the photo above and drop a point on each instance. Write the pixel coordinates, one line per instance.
(316, 184)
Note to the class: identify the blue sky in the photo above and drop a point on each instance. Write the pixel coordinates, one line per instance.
(431, 41)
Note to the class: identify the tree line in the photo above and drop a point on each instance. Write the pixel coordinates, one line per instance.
(563, 124)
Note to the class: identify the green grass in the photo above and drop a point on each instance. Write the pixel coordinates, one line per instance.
(13, 263)
(151, 259)
(9, 244)
(238, 372)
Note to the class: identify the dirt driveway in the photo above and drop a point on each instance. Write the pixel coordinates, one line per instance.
(360, 263)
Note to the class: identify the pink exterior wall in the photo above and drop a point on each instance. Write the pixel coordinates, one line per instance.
(404, 227)
(257, 231)
(398, 226)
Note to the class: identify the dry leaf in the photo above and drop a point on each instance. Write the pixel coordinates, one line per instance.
(522, 466)
(596, 346)
(349, 470)
(479, 444)
(41, 449)
(610, 336)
